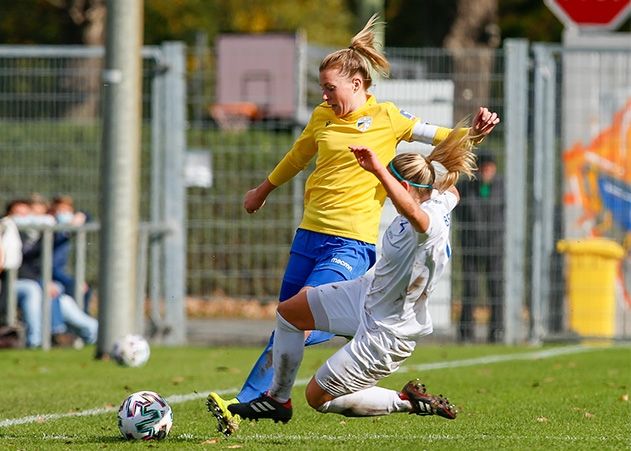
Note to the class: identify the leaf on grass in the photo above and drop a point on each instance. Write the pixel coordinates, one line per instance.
(589, 416)
(212, 441)
(227, 369)
(624, 397)
(234, 446)
(342, 422)
(542, 419)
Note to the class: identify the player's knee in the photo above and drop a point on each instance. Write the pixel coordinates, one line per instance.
(314, 402)
(315, 396)
(282, 309)
(296, 312)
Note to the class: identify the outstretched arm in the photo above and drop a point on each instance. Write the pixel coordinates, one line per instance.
(397, 190)
(255, 198)
(483, 124)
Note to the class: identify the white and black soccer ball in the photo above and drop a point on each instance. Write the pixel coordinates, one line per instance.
(145, 415)
(131, 350)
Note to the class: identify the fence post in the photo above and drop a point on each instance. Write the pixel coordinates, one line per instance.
(120, 165)
(156, 255)
(174, 193)
(543, 189)
(47, 277)
(516, 129)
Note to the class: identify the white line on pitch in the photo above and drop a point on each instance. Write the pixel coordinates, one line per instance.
(176, 399)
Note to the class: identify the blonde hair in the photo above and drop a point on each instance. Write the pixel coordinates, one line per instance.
(454, 155)
(360, 56)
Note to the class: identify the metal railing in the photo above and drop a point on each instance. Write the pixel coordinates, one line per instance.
(149, 236)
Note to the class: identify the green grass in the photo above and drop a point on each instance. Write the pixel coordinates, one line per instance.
(574, 401)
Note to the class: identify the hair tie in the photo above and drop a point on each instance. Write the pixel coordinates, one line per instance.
(398, 176)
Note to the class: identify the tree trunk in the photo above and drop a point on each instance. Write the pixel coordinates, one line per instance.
(89, 16)
(472, 41)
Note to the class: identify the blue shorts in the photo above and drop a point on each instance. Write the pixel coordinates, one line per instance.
(316, 258)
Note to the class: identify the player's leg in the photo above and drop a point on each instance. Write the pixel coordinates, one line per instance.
(341, 259)
(347, 387)
(315, 259)
(374, 401)
(495, 281)
(260, 377)
(470, 274)
(305, 311)
(287, 354)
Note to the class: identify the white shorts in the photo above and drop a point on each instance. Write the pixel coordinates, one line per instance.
(371, 355)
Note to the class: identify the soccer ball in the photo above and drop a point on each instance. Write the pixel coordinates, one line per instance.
(145, 415)
(131, 350)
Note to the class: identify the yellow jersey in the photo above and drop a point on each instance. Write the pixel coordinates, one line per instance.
(341, 198)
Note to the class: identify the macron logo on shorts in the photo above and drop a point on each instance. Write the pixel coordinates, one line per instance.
(341, 263)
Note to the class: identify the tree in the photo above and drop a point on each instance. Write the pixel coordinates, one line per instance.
(413, 23)
(472, 41)
(89, 17)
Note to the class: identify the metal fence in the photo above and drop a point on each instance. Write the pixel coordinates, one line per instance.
(50, 144)
(242, 256)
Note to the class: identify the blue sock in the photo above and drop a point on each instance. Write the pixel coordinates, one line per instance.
(260, 378)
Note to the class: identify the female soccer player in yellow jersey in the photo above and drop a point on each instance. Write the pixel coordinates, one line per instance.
(342, 203)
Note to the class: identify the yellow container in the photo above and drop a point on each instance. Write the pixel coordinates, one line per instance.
(591, 284)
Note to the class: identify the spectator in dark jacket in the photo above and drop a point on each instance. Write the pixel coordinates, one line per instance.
(480, 220)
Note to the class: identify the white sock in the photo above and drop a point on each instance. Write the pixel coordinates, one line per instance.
(370, 402)
(287, 353)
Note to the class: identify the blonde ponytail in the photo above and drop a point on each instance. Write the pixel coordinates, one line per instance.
(360, 57)
(441, 168)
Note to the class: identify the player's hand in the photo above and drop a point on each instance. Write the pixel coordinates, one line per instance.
(366, 158)
(253, 201)
(484, 122)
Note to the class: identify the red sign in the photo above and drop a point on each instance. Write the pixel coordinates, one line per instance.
(592, 14)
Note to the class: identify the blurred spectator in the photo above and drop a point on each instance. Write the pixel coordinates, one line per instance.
(62, 209)
(480, 220)
(28, 292)
(65, 311)
(39, 205)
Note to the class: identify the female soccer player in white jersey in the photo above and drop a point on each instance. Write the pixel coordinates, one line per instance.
(337, 237)
(386, 312)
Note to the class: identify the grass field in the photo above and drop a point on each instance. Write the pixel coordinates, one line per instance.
(508, 397)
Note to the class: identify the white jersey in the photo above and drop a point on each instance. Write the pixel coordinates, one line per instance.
(408, 269)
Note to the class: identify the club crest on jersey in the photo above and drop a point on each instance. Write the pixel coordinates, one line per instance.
(364, 123)
(406, 114)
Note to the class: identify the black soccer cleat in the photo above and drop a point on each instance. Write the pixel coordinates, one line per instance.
(263, 407)
(424, 403)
